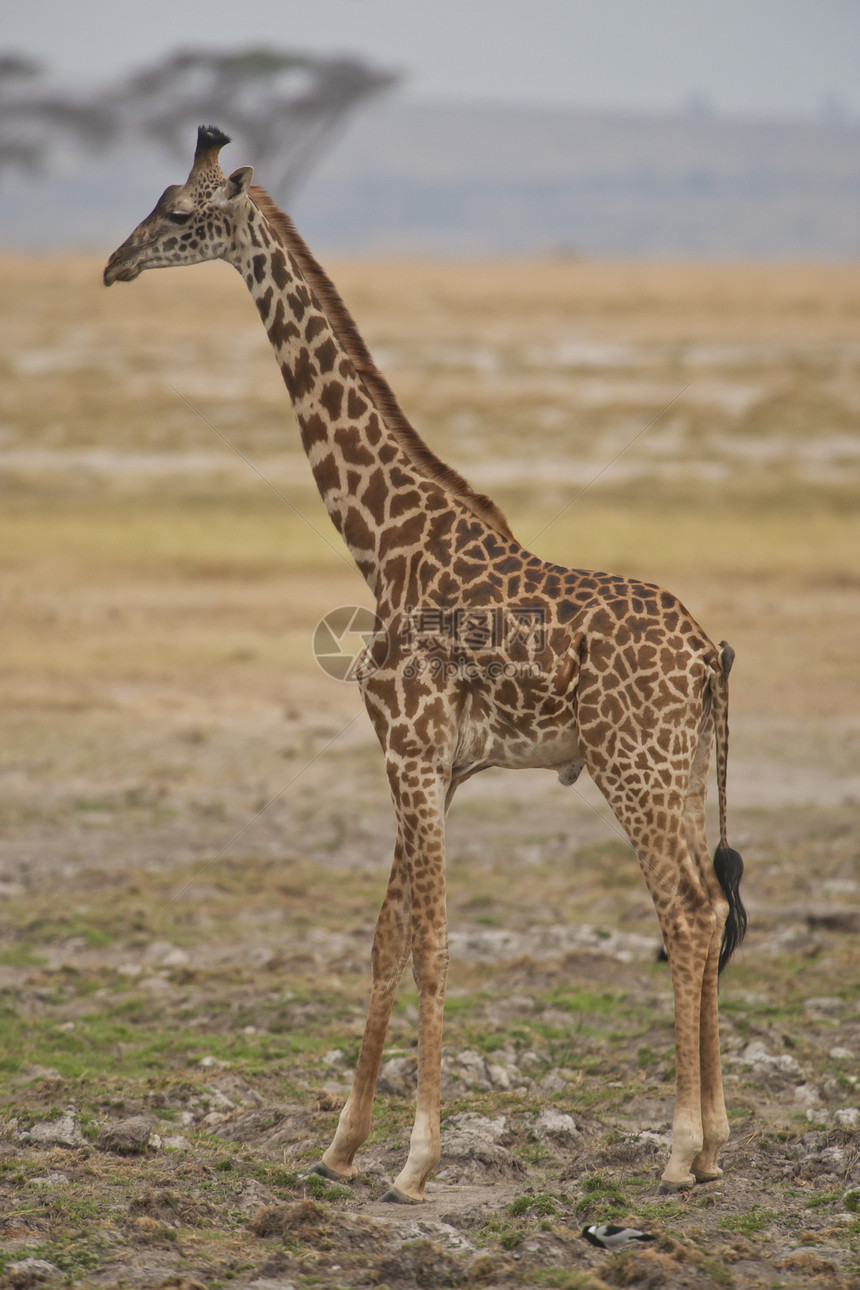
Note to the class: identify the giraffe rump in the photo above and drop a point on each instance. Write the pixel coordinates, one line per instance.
(343, 325)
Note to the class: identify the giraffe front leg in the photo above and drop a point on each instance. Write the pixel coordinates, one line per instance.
(389, 956)
(430, 967)
(424, 836)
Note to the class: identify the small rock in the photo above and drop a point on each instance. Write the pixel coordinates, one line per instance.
(62, 1132)
(754, 998)
(176, 959)
(156, 985)
(53, 1179)
(826, 1005)
(516, 1005)
(42, 1072)
(271, 1283)
(212, 1120)
(848, 1117)
(337, 1092)
(555, 1126)
(333, 1057)
(238, 1091)
(806, 1095)
(658, 1142)
(261, 956)
(840, 886)
(472, 1150)
(552, 1084)
(176, 1143)
(498, 1076)
(468, 1068)
(125, 1137)
(493, 1127)
(835, 918)
(445, 1233)
(253, 1196)
(30, 1272)
(414, 1263)
(157, 950)
(219, 1101)
(756, 1056)
(841, 1054)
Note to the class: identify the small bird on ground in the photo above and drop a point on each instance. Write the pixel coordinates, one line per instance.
(609, 1237)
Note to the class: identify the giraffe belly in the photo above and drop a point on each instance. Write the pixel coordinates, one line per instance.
(559, 752)
(517, 749)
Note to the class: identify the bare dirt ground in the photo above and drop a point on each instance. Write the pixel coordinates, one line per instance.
(196, 830)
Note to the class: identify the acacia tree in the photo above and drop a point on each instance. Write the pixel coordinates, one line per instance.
(283, 107)
(33, 115)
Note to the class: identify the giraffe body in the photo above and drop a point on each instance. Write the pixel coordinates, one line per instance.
(485, 656)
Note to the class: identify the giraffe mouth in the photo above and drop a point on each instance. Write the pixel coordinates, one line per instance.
(118, 272)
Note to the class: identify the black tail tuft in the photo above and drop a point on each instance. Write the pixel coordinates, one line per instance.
(729, 868)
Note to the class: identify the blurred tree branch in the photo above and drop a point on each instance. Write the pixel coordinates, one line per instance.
(282, 108)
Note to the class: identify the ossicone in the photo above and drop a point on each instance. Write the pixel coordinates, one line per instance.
(209, 139)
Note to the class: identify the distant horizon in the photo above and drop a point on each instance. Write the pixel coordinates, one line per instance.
(467, 180)
(777, 58)
(833, 113)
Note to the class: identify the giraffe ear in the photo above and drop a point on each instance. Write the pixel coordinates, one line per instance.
(239, 182)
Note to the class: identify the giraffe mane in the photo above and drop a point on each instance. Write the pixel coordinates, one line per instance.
(346, 331)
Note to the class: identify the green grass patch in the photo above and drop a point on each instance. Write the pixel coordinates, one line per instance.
(756, 1219)
(541, 1205)
(602, 1199)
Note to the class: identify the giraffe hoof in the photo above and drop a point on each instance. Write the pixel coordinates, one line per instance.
(396, 1197)
(707, 1175)
(669, 1186)
(323, 1171)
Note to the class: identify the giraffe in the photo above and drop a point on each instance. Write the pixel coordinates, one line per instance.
(485, 655)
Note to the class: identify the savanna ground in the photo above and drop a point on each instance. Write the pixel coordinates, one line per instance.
(196, 829)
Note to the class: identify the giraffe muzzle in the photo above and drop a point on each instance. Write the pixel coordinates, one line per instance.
(117, 271)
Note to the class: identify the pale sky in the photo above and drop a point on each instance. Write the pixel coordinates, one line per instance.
(743, 57)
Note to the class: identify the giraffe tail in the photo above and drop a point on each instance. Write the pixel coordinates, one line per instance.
(728, 865)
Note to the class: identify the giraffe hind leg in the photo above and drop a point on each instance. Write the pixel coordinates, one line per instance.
(715, 1124)
(654, 820)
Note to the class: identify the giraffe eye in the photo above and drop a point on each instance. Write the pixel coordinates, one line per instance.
(179, 217)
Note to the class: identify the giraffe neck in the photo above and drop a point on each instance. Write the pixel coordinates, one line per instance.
(371, 468)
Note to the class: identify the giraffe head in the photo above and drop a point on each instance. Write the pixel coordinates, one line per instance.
(191, 222)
